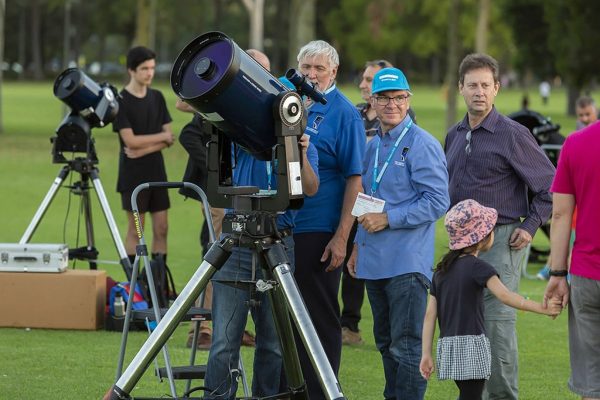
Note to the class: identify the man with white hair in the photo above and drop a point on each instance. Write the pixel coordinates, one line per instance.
(324, 222)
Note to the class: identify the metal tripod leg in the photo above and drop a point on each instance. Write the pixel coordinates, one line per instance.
(214, 259)
(39, 214)
(87, 212)
(282, 273)
(291, 362)
(112, 225)
(58, 181)
(143, 251)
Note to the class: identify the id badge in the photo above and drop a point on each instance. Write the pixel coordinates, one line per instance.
(367, 204)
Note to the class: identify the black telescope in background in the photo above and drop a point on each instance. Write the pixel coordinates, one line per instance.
(92, 105)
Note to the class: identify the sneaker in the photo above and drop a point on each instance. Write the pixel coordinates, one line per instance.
(543, 274)
(248, 339)
(349, 337)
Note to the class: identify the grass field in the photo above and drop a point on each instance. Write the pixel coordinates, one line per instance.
(81, 365)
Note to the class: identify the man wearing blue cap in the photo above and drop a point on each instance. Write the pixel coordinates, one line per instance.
(405, 185)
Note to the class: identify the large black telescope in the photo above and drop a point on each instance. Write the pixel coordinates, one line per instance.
(231, 90)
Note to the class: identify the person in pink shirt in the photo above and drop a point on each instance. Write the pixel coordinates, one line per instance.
(576, 184)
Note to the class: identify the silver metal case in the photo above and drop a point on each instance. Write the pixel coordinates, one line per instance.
(33, 257)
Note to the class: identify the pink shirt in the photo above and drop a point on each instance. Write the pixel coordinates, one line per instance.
(578, 173)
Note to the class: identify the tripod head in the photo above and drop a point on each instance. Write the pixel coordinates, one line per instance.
(92, 105)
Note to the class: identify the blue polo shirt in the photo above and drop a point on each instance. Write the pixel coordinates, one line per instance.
(252, 172)
(337, 131)
(415, 190)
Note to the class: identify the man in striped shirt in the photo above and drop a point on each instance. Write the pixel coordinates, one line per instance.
(497, 162)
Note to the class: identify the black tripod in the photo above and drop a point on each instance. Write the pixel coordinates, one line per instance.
(260, 234)
(87, 170)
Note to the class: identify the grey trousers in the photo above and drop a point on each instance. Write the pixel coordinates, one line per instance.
(500, 319)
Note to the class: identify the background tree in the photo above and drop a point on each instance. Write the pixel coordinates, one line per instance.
(302, 27)
(452, 66)
(481, 36)
(36, 38)
(527, 22)
(142, 23)
(256, 9)
(572, 36)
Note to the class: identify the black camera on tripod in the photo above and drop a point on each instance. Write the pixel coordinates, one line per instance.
(92, 105)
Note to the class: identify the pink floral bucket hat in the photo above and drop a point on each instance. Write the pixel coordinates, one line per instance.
(468, 223)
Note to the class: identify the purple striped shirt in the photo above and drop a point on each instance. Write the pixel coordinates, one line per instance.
(504, 164)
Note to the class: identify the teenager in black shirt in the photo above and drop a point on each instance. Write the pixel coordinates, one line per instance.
(144, 127)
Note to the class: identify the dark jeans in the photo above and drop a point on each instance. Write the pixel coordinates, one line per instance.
(230, 312)
(398, 306)
(319, 290)
(353, 291)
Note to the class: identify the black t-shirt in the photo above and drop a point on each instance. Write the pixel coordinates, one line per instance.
(144, 116)
(459, 296)
(194, 137)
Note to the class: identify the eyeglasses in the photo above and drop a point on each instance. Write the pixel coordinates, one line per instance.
(468, 146)
(384, 100)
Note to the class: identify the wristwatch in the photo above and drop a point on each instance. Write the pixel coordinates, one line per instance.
(560, 272)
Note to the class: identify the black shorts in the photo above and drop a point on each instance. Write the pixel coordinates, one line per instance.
(148, 200)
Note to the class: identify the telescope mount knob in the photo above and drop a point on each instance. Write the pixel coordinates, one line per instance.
(291, 109)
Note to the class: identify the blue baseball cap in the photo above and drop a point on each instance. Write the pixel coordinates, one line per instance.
(389, 79)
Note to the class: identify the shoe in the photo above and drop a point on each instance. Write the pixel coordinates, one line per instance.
(349, 337)
(248, 339)
(204, 340)
(543, 274)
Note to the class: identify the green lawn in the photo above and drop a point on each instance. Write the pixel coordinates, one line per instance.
(81, 365)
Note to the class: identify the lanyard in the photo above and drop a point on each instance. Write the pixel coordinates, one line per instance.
(378, 175)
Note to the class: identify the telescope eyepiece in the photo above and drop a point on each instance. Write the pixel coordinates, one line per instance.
(303, 87)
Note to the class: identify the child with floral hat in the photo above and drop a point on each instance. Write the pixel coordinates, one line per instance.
(456, 301)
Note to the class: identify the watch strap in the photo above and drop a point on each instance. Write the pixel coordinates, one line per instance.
(561, 272)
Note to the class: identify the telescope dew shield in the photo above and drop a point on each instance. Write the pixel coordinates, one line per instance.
(230, 89)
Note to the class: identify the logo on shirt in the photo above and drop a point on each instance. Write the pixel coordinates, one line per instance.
(317, 121)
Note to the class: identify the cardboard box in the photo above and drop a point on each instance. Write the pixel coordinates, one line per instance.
(74, 299)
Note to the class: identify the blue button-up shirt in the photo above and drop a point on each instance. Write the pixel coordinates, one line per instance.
(415, 190)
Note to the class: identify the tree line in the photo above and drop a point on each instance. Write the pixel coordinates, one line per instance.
(426, 38)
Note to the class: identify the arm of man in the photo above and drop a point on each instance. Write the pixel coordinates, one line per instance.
(535, 169)
(560, 234)
(310, 164)
(183, 106)
(351, 264)
(336, 248)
